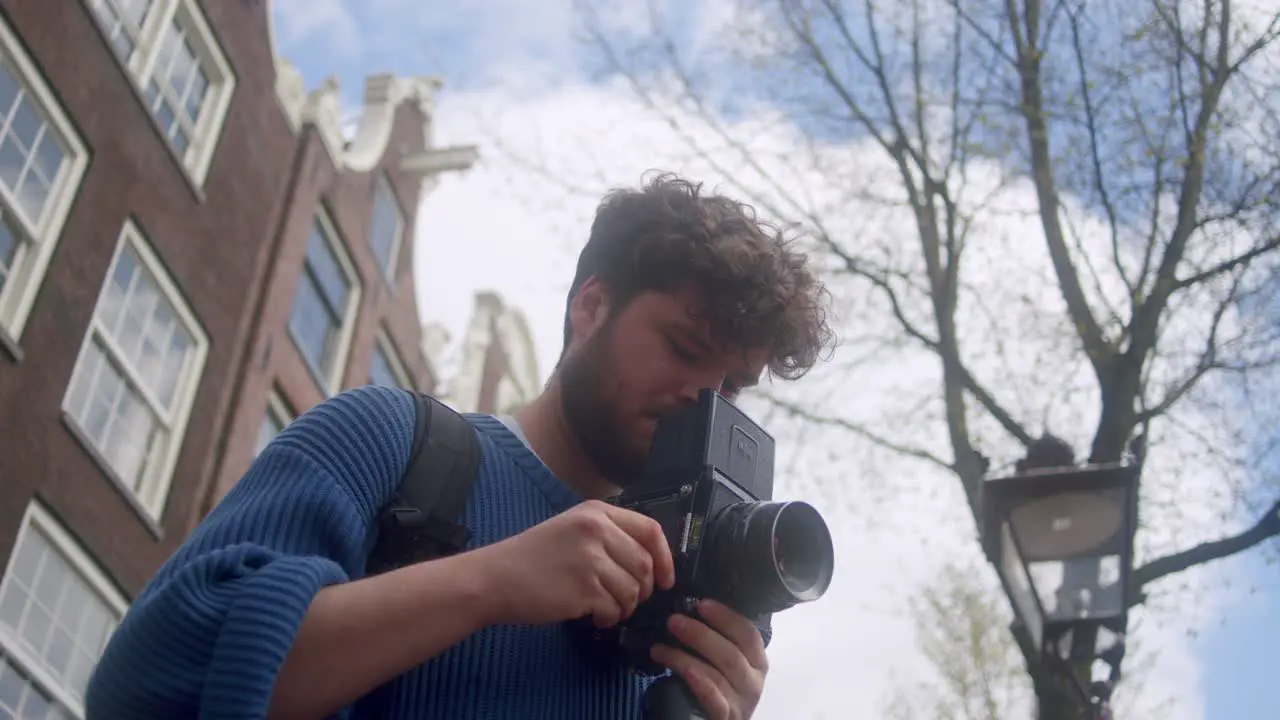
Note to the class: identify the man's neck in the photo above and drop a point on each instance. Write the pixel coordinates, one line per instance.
(549, 436)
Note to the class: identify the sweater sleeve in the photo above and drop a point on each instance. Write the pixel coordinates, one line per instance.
(207, 636)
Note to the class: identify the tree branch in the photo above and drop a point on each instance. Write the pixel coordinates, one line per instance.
(1095, 152)
(809, 416)
(1208, 359)
(1229, 265)
(1146, 315)
(1267, 527)
(991, 405)
(1029, 56)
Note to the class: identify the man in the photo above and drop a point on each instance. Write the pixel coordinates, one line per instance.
(266, 609)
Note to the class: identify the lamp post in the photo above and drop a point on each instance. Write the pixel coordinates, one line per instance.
(1061, 540)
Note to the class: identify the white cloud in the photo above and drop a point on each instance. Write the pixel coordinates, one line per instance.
(507, 227)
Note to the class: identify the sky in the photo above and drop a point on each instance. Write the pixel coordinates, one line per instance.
(553, 133)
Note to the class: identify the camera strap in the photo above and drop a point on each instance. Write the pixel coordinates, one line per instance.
(422, 520)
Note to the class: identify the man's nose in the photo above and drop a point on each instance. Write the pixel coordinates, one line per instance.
(689, 394)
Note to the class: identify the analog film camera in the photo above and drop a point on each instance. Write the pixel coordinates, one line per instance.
(709, 483)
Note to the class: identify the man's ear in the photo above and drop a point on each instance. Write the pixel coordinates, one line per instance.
(589, 309)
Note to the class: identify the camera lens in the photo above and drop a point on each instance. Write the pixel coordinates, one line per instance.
(769, 556)
(802, 551)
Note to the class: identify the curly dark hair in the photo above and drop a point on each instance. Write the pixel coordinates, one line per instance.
(758, 291)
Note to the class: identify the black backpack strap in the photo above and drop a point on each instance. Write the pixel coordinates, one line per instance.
(423, 520)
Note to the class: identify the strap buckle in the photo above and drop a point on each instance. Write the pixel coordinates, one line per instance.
(426, 536)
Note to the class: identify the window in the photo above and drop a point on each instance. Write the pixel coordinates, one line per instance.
(386, 228)
(274, 421)
(41, 163)
(134, 382)
(324, 306)
(386, 368)
(173, 56)
(57, 610)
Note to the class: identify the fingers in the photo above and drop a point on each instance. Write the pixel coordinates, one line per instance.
(623, 592)
(743, 633)
(726, 666)
(709, 687)
(648, 533)
(631, 556)
(730, 662)
(605, 610)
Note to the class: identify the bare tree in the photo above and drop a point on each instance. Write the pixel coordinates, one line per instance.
(1148, 134)
(962, 628)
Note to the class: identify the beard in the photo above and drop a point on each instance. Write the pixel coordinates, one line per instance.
(596, 422)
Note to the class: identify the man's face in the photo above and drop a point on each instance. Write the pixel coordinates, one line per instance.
(629, 367)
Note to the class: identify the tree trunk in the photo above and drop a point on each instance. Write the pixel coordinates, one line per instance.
(1055, 699)
(1052, 703)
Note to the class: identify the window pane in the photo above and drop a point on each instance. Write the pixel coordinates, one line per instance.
(177, 73)
(25, 125)
(176, 58)
(20, 697)
(48, 159)
(111, 306)
(197, 92)
(118, 422)
(8, 248)
(31, 154)
(122, 21)
(319, 304)
(380, 373)
(132, 431)
(98, 383)
(385, 227)
(313, 325)
(135, 11)
(144, 325)
(332, 281)
(46, 603)
(9, 90)
(180, 140)
(12, 162)
(267, 431)
(13, 686)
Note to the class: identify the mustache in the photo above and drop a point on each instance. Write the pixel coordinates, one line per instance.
(661, 412)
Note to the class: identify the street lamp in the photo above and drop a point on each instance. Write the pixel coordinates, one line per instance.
(1061, 540)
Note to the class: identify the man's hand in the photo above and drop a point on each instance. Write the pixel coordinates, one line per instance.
(595, 559)
(728, 684)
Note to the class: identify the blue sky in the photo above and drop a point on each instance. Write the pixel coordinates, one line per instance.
(523, 50)
(1239, 655)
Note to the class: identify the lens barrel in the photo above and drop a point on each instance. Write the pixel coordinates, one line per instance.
(768, 556)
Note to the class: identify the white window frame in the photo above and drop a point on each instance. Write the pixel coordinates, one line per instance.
(141, 67)
(383, 185)
(31, 261)
(153, 490)
(382, 342)
(342, 350)
(276, 410)
(38, 519)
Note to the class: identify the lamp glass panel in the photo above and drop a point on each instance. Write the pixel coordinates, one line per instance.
(1021, 591)
(1070, 524)
(1079, 588)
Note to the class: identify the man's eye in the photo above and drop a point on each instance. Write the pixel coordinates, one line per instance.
(681, 352)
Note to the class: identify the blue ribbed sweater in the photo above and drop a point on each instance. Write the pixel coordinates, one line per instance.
(208, 634)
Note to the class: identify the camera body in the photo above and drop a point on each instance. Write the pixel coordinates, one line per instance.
(709, 484)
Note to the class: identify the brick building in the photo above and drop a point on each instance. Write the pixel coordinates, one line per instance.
(191, 252)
